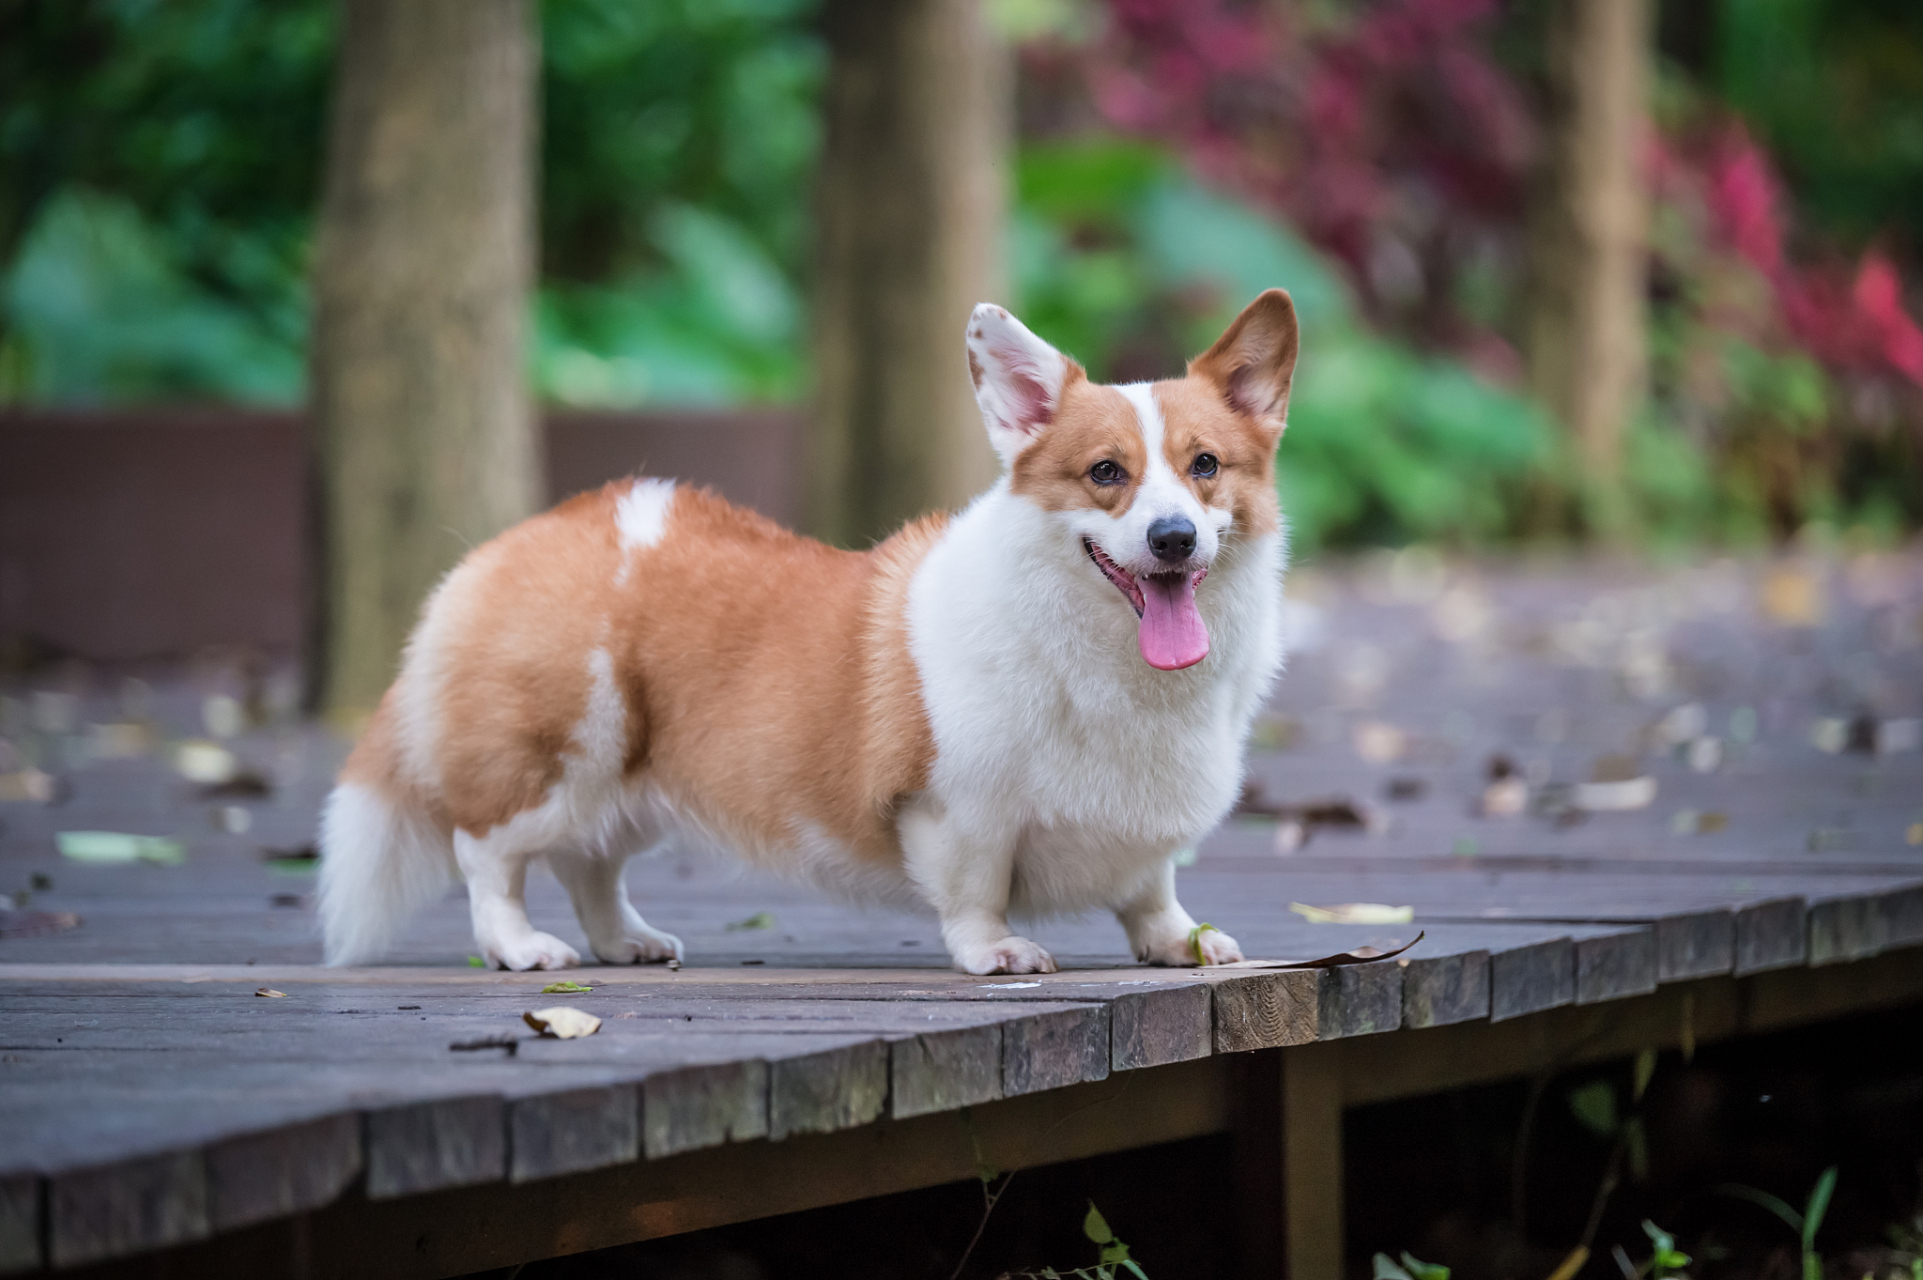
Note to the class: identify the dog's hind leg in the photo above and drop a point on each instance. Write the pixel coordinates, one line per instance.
(615, 930)
(496, 872)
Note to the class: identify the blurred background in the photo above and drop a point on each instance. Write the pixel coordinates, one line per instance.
(297, 301)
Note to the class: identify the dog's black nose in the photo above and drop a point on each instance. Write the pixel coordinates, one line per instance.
(1172, 538)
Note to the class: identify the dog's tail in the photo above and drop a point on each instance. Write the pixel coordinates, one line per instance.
(381, 861)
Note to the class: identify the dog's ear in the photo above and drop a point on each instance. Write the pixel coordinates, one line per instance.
(1018, 378)
(1253, 362)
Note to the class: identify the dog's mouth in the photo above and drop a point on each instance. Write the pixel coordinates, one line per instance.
(1172, 634)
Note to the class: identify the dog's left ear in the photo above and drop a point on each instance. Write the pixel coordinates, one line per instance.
(1253, 362)
(1018, 378)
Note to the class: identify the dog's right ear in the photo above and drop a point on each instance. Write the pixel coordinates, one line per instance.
(1018, 378)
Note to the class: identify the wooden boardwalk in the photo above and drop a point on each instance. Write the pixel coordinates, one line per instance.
(812, 1052)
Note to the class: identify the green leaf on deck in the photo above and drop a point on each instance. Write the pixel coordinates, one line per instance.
(564, 988)
(759, 920)
(475, 962)
(119, 847)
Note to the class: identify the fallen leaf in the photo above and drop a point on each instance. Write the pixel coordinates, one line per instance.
(1705, 754)
(562, 1022)
(1792, 597)
(1612, 797)
(759, 920)
(1615, 768)
(1360, 955)
(1505, 797)
(232, 819)
(34, 924)
(271, 994)
(564, 988)
(1354, 913)
(1690, 822)
(207, 763)
(118, 847)
(1380, 743)
(30, 784)
(476, 962)
(120, 739)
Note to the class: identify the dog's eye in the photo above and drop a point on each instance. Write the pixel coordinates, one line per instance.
(1106, 472)
(1204, 466)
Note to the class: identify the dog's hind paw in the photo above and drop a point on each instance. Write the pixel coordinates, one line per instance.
(644, 945)
(533, 950)
(1010, 955)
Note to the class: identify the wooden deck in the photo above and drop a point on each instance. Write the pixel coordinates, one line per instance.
(153, 1106)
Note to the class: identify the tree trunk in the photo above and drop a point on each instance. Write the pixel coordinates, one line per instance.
(1587, 342)
(909, 218)
(424, 437)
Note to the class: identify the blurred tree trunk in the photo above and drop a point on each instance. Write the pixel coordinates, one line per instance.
(909, 214)
(424, 437)
(1587, 340)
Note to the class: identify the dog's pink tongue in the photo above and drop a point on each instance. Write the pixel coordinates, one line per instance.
(1173, 635)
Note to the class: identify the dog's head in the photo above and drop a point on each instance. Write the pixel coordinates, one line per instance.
(1151, 479)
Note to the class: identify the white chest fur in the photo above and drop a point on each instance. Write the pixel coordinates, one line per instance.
(1050, 728)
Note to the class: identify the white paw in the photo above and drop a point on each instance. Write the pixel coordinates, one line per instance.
(533, 950)
(1179, 951)
(1010, 955)
(641, 945)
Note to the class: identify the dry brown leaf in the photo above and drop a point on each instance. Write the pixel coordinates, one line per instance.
(271, 994)
(1360, 955)
(563, 1022)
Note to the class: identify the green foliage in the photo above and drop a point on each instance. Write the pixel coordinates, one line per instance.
(1410, 1268)
(1805, 1224)
(1113, 1260)
(1855, 160)
(1665, 1260)
(1127, 264)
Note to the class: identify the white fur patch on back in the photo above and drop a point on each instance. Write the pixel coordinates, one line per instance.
(641, 515)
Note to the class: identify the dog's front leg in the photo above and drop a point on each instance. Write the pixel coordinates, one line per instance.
(965, 876)
(1161, 932)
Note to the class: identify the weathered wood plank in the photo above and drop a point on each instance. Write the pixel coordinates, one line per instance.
(1695, 944)
(1615, 965)
(1267, 1010)
(426, 1146)
(1159, 1025)
(555, 1133)
(945, 1071)
(1773, 934)
(1359, 1000)
(128, 1207)
(1532, 978)
(1440, 990)
(703, 1106)
(1054, 1050)
(19, 1223)
(822, 1092)
(261, 1176)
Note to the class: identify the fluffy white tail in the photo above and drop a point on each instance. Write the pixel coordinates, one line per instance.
(380, 863)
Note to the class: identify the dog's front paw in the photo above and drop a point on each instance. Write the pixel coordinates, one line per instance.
(1010, 955)
(1204, 944)
(642, 944)
(533, 950)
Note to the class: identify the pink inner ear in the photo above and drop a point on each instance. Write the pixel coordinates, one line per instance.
(1250, 392)
(1027, 399)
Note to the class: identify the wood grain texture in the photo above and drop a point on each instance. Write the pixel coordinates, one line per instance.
(19, 1223)
(1695, 944)
(128, 1207)
(1532, 978)
(555, 1133)
(1160, 1025)
(425, 1146)
(1615, 965)
(704, 1106)
(1359, 1000)
(1772, 934)
(1439, 990)
(944, 1071)
(1054, 1050)
(284, 1171)
(822, 1092)
(1267, 1010)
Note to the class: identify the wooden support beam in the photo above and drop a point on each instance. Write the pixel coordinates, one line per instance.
(1312, 1162)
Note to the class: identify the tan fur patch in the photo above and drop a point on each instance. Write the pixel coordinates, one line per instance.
(1094, 423)
(1198, 420)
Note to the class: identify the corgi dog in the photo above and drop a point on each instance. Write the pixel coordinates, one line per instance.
(1030, 706)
